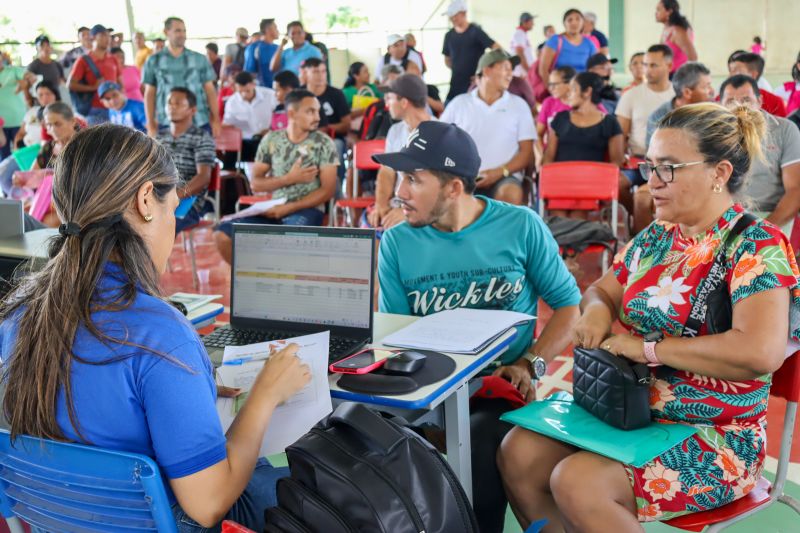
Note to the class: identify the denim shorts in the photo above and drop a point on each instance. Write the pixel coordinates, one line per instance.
(248, 510)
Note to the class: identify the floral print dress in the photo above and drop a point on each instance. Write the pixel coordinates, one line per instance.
(660, 271)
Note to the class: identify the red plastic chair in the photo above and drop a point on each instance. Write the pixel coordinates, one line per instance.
(212, 196)
(785, 384)
(362, 160)
(580, 185)
(230, 140)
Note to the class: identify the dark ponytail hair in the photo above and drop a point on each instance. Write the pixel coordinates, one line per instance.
(352, 73)
(795, 70)
(590, 80)
(675, 17)
(97, 177)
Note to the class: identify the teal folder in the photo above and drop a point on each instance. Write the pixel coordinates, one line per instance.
(558, 417)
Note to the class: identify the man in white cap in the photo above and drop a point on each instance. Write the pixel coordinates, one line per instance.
(463, 47)
(596, 36)
(401, 55)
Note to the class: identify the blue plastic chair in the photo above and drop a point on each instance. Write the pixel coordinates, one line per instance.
(58, 486)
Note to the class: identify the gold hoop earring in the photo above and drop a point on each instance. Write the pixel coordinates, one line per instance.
(717, 188)
(148, 217)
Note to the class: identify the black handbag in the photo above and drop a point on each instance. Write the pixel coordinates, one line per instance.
(617, 390)
(614, 389)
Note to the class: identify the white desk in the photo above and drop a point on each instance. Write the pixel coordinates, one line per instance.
(453, 391)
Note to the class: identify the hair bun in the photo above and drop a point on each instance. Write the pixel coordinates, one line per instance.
(752, 129)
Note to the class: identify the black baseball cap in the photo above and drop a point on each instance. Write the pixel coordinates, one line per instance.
(599, 59)
(438, 146)
(410, 86)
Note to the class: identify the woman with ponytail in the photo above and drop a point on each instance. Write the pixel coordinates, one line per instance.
(358, 84)
(92, 353)
(717, 379)
(677, 33)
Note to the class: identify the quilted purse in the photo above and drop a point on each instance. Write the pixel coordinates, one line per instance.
(614, 389)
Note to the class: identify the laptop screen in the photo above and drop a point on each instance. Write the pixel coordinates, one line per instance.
(317, 276)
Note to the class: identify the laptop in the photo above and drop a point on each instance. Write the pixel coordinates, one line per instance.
(12, 221)
(288, 281)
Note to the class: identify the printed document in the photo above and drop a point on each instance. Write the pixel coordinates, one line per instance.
(293, 419)
(464, 331)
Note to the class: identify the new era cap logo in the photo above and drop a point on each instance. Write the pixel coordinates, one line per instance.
(449, 162)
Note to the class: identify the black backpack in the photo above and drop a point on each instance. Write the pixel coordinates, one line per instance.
(356, 471)
(577, 235)
(376, 122)
(82, 101)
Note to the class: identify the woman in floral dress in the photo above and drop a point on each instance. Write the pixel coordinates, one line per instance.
(697, 162)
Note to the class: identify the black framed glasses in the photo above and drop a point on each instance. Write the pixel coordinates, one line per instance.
(551, 84)
(665, 171)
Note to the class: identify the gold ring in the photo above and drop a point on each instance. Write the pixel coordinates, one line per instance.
(607, 347)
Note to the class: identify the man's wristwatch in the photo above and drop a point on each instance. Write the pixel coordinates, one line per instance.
(538, 365)
(650, 340)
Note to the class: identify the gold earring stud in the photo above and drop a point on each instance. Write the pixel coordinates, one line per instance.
(717, 188)
(148, 217)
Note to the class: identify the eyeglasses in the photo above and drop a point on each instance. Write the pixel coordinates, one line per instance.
(665, 172)
(550, 85)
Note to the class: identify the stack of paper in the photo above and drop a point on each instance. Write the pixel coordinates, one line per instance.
(258, 208)
(464, 331)
(200, 309)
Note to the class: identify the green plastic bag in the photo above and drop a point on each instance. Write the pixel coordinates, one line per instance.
(25, 157)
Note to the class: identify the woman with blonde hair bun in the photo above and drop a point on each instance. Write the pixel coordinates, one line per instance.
(709, 373)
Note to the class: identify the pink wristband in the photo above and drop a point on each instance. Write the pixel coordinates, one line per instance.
(650, 354)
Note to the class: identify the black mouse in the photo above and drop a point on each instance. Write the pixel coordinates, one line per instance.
(406, 362)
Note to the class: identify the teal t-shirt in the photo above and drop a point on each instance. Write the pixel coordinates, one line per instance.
(507, 259)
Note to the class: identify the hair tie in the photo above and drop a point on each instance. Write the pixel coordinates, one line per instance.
(70, 228)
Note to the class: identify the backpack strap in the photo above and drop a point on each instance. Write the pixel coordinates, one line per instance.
(92, 66)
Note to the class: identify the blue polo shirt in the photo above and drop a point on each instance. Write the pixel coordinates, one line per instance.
(257, 57)
(507, 259)
(292, 59)
(162, 406)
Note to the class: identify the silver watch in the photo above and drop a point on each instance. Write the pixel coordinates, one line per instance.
(538, 365)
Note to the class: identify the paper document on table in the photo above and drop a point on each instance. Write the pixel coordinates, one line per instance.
(193, 301)
(257, 208)
(465, 331)
(293, 419)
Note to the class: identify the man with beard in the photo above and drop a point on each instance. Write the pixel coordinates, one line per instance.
(297, 163)
(455, 250)
(601, 65)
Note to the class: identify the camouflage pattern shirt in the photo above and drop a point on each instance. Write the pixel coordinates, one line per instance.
(280, 153)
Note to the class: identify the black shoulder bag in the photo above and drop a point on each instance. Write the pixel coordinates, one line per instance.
(82, 101)
(615, 389)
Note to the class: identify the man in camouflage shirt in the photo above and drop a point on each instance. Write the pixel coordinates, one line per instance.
(299, 164)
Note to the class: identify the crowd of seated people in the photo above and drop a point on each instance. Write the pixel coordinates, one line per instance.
(450, 191)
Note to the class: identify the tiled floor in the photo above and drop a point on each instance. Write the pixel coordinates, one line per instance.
(215, 279)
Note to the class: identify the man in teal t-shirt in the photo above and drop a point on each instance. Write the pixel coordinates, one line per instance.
(460, 250)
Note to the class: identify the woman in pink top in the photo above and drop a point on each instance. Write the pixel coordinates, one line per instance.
(558, 86)
(131, 78)
(677, 33)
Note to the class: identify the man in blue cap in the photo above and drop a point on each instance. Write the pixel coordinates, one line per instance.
(455, 250)
(90, 71)
(122, 110)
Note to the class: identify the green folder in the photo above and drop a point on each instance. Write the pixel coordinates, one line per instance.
(558, 417)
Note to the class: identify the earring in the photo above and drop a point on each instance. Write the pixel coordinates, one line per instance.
(148, 217)
(717, 188)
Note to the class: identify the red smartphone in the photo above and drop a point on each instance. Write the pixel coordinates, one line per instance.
(362, 362)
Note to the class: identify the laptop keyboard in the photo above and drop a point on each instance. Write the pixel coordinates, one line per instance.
(226, 336)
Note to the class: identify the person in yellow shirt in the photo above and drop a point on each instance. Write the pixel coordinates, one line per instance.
(142, 50)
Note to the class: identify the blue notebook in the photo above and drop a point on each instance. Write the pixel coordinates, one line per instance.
(184, 206)
(558, 417)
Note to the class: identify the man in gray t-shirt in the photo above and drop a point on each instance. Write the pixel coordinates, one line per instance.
(773, 185)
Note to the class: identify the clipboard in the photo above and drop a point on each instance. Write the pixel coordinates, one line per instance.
(560, 418)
